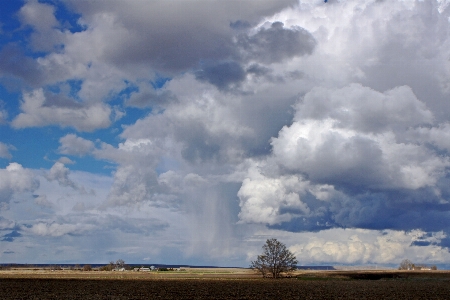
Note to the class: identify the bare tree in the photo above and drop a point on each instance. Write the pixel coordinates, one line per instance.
(87, 268)
(406, 264)
(120, 263)
(274, 260)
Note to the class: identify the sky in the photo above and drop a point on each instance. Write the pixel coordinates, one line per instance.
(189, 132)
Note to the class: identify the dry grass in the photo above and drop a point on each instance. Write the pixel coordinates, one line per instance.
(222, 273)
(194, 273)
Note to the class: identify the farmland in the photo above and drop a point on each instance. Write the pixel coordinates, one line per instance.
(223, 284)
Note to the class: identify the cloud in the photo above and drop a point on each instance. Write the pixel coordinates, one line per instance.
(27, 69)
(334, 139)
(65, 160)
(3, 113)
(74, 145)
(86, 224)
(147, 96)
(131, 187)
(6, 224)
(60, 173)
(176, 46)
(79, 207)
(268, 45)
(4, 150)
(42, 201)
(56, 229)
(357, 246)
(356, 156)
(37, 113)
(272, 200)
(9, 237)
(274, 43)
(16, 179)
(41, 17)
(223, 74)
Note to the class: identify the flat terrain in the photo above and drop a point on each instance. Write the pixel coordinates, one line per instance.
(197, 273)
(229, 284)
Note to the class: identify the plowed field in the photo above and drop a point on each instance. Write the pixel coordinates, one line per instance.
(34, 288)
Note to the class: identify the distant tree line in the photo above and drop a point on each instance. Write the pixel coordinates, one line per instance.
(119, 264)
(406, 264)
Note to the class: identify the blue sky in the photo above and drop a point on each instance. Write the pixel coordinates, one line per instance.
(191, 131)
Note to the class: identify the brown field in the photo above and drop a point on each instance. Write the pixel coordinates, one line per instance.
(223, 284)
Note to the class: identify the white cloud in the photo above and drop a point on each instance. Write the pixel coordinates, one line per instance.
(3, 116)
(272, 200)
(16, 179)
(37, 114)
(56, 230)
(42, 200)
(60, 173)
(74, 145)
(359, 246)
(41, 17)
(65, 160)
(6, 224)
(4, 150)
(439, 135)
(356, 136)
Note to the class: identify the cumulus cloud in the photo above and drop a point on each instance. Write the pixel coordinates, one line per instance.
(41, 17)
(60, 173)
(27, 70)
(274, 43)
(3, 113)
(6, 224)
(37, 113)
(16, 179)
(358, 246)
(4, 150)
(56, 229)
(355, 136)
(272, 200)
(65, 160)
(224, 75)
(176, 46)
(358, 155)
(75, 224)
(42, 201)
(147, 96)
(79, 207)
(75, 145)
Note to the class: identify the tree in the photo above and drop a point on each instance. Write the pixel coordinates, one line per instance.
(120, 263)
(87, 268)
(274, 260)
(406, 264)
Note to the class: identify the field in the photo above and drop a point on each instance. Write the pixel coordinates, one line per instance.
(223, 284)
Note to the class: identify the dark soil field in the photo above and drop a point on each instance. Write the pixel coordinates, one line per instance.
(333, 285)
